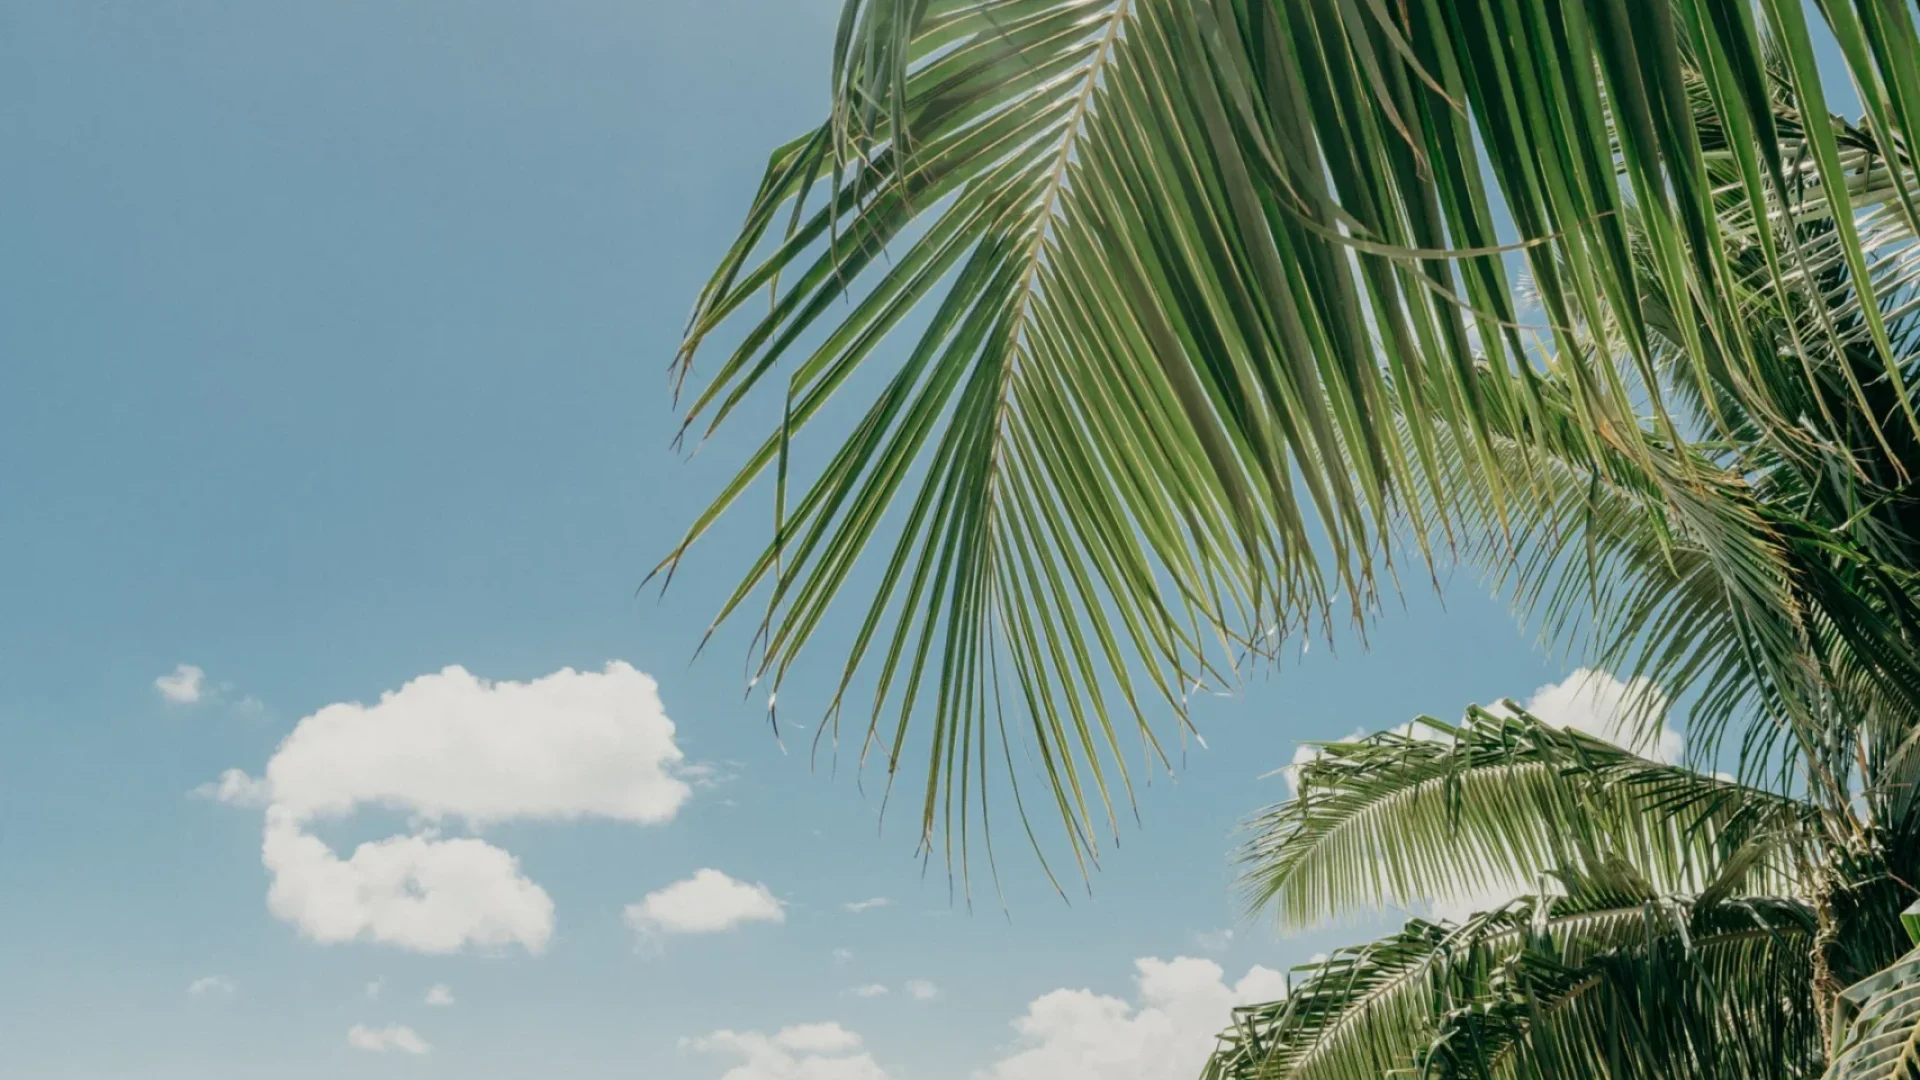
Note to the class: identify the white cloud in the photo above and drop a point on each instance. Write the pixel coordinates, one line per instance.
(236, 788)
(374, 988)
(565, 746)
(210, 986)
(828, 1038)
(802, 1052)
(439, 994)
(414, 892)
(841, 956)
(858, 906)
(1182, 1005)
(1599, 704)
(922, 990)
(871, 990)
(183, 686)
(706, 903)
(380, 1040)
(453, 746)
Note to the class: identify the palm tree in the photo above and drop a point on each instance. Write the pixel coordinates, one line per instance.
(1218, 324)
(1680, 935)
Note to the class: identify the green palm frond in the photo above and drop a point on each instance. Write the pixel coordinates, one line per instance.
(1628, 984)
(1632, 578)
(1684, 583)
(1711, 1004)
(1723, 563)
(1883, 1040)
(1177, 272)
(1097, 525)
(1456, 812)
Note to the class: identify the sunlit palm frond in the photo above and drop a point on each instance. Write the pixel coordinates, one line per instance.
(1632, 568)
(1609, 984)
(1111, 486)
(1497, 802)
(1780, 622)
(1180, 267)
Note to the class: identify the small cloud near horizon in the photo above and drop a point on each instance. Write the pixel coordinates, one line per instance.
(393, 1037)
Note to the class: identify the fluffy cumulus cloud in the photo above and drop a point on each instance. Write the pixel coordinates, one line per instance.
(706, 903)
(1165, 1034)
(439, 994)
(396, 1038)
(922, 990)
(573, 744)
(802, 1052)
(871, 990)
(453, 748)
(415, 892)
(1600, 704)
(184, 685)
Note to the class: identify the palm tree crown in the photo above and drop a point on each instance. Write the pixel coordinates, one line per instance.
(1218, 320)
(1227, 311)
(1671, 927)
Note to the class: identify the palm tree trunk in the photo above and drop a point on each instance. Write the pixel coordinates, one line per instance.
(1857, 902)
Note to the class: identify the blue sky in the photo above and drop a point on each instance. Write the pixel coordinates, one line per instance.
(335, 341)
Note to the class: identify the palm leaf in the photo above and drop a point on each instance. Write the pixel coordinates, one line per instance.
(1181, 266)
(1578, 981)
(1458, 812)
(1883, 1040)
